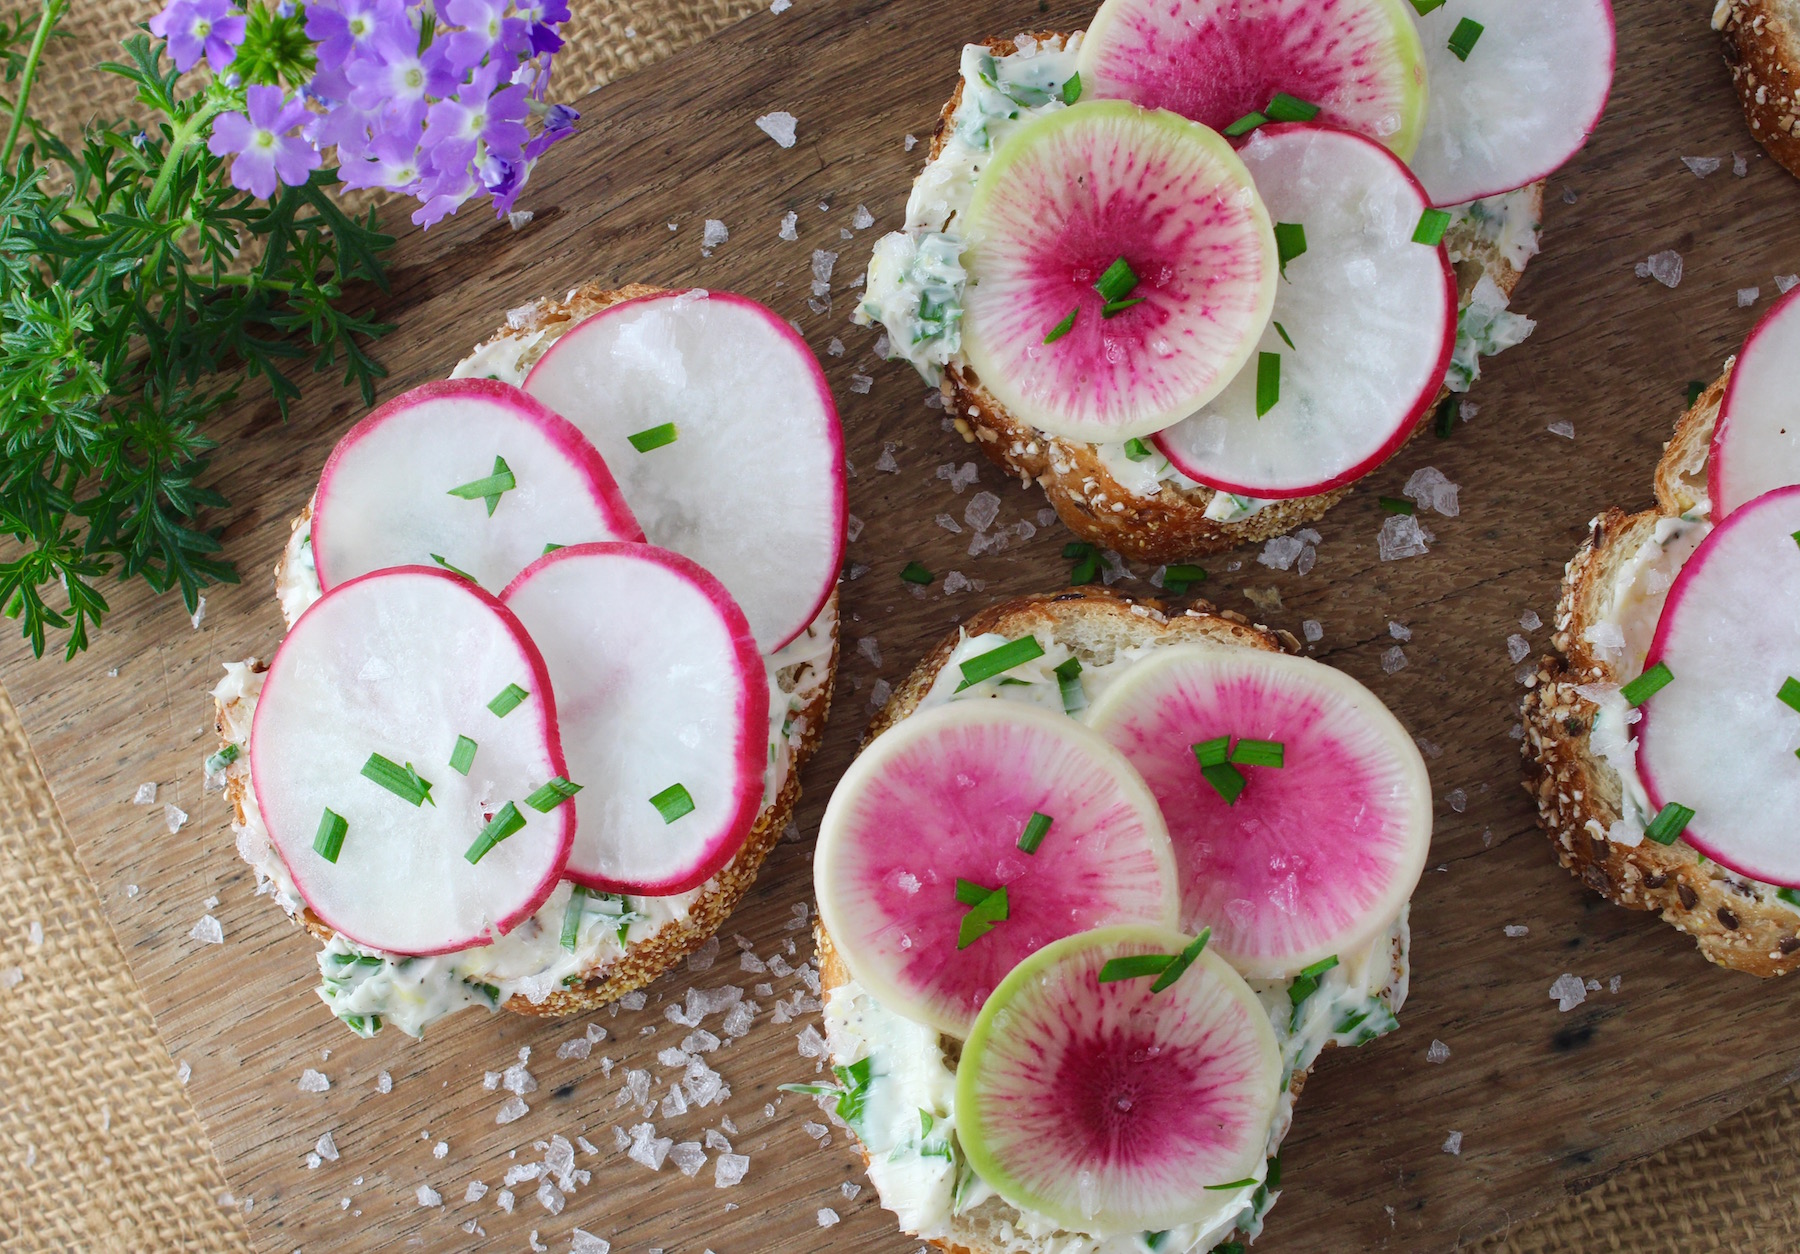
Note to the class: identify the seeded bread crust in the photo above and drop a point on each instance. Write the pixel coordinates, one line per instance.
(1762, 49)
(1172, 525)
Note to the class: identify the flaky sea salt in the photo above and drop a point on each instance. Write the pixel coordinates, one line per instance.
(780, 6)
(183, 1071)
(512, 1108)
(326, 1148)
(1393, 659)
(144, 796)
(1430, 489)
(827, 1217)
(1401, 536)
(712, 235)
(853, 528)
(384, 1083)
(648, 1149)
(1530, 621)
(587, 1243)
(862, 219)
(1453, 1144)
(958, 478)
(789, 227)
(429, 1196)
(688, 1157)
(729, 1169)
(579, 1047)
(779, 126)
(861, 383)
(1568, 992)
(879, 692)
(208, 931)
(1516, 930)
(1518, 648)
(1437, 1051)
(475, 1192)
(1562, 427)
(981, 511)
(1281, 552)
(1313, 630)
(174, 817)
(1784, 283)
(1457, 799)
(1664, 267)
(1746, 296)
(1702, 166)
(1400, 631)
(550, 1197)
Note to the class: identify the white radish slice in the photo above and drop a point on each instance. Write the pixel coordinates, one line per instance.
(1525, 100)
(1756, 443)
(385, 497)
(946, 795)
(1315, 857)
(1717, 739)
(658, 683)
(1372, 317)
(401, 663)
(752, 485)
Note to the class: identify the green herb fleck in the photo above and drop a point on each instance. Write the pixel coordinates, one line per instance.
(507, 822)
(915, 573)
(1259, 753)
(330, 837)
(1062, 328)
(994, 661)
(1245, 1183)
(855, 1093)
(1182, 961)
(1214, 752)
(1282, 332)
(1036, 828)
(1133, 967)
(1113, 308)
(981, 916)
(402, 781)
(652, 437)
(571, 928)
(1290, 242)
(1653, 681)
(1446, 418)
(508, 700)
(1285, 108)
(673, 802)
(1694, 389)
(1462, 39)
(1305, 984)
(490, 489)
(454, 570)
(1116, 282)
(463, 756)
(220, 760)
(1268, 382)
(1136, 449)
(1068, 683)
(1244, 125)
(1071, 89)
(1788, 895)
(1178, 577)
(1669, 823)
(1789, 695)
(1427, 6)
(1397, 505)
(1087, 562)
(1430, 230)
(552, 794)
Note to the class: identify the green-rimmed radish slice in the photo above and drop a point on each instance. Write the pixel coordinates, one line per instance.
(1720, 737)
(1364, 325)
(1312, 858)
(360, 713)
(1756, 443)
(1111, 1108)
(1517, 86)
(1147, 228)
(944, 796)
(1218, 61)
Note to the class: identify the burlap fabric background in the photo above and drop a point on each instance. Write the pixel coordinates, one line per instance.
(99, 1147)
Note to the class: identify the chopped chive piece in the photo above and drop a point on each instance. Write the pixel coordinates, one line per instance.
(1427, 6)
(330, 837)
(552, 794)
(1306, 983)
(980, 919)
(1246, 124)
(1071, 89)
(571, 929)
(1036, 828)
(1226, 780)
(1446, 418)
(969, 893)
(463, 756)
(1290, 242)
(549, 549)
(1134, 967)
(1113, 308)
(915, 573)
(652, 437)
(489, 489)
(1076, 548)
(994, 661)
(1259, 753)
(1136, 449)
(1788, 895)
(1670, 822)
(1789, 694)
(1062, 328)
(1462, 39)
(508, 700)
(1430, 230)
(402, 781)
(1235, 1184)
(1656, 679)
(1796, 537)
(1176, 578)
(1087, 562)
(1694, 389)
(1068, 682)
(1116, 281)
(1397, 505)
(454, 570)
(220, 760)
(1183, 961)
(673, 802)
(1214, 752)
(1285, 108)
(1268, 382)
(1282, 332)
(506, 822)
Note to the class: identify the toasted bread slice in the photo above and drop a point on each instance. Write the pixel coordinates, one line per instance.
(1172, 525)
(1762, 48)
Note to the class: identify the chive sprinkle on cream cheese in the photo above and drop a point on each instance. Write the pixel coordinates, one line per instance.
(995, 661)
(1431, 227)
(1655, 679)
(1669, 823)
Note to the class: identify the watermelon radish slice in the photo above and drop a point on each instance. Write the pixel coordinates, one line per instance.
(945, 796)
(402, 663)
(658, 684)
(1217, 61)
(1521, 101)
(1717, 739)
(1313, 858)
(385, 497)
(1110, 1108)
(1371, 316)
(1069, 196)
(1756, 443)
(718, 422)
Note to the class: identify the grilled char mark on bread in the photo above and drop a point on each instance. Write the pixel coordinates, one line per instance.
(1762, 50)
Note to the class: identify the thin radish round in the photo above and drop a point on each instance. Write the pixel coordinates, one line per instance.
(718, 422)
(389, 492)
(1756, 443)
(1217, 61)
(1517, 86)
(659, 687)
(1311, 858)
(1112, 1108)
(1719, 739)
(1370, 314)
(401, 664)
(946, 796)
(1067, 340)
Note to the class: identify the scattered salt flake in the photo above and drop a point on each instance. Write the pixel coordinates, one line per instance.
(1746, 296)
(580, 1047)
(1516, 930)
(34, 931)
(647, 1148)
(780, 6)
(911, 142)
(1280, 553)
(326, 1148)
(853, 528)
(1530, 621)
(729, 1169)
(879, 693)
(1400, 631)
(1702, 166)
(208, 931)
(440, 1149)
(183, 1070)
(174, 817)
(384, 1083)
(550, 1197)
(849, 1189)
(779, 126)
(1568, 992)
(816, 1130)
(827, 1217)
(789, 223)
(714, 234)
(982, 509)
(1518, 648)
(429, 1196)
(144, 796)
(1393, 659)
(475, 1192)
(1437, 1051)
(861, 383)
(835, 348)
(703, 958)
(958, 479)
(955, 581)
(886, 463)
(587, 1243)
(688, 1157)
(1453, 1144)
(199, 614)
(131, 890)
(1664, 267)
(518, 219)
(1593, 985)
(1614, 984)
(715, 1140)
(512, 1108)
(1313, 630)
(1430, 489)
(1562, 427)
(1457, 799)
(862, 219)
(1784, 283)
(1401, 536)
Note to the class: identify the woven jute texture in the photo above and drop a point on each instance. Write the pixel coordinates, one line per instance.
(99, 1147)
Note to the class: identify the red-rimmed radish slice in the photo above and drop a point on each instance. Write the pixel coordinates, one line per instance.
(946, 795)
(742, 465)
(385, 498)
(1217, 61)
(401, 663)
(1068, 196)
(1522, 99)
(1717, 739)
(659, 685)
(1371, 316)
(1315, 857)
(1113, 1109)
(1756, 443)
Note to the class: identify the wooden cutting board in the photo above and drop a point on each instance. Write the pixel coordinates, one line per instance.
(1546, 1102)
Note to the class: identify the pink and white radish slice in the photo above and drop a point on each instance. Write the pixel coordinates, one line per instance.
(742, 460)
(1756, 443)
(659, 687)
(1371, 316)
(1717, 739)
(1112, 1108)
(946, 795)
(402, 663)
(1521, 99)
(386, 495)
(1315, 857)
(1069, 195)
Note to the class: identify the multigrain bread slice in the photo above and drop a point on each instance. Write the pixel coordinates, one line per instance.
(1172, 525)
(1762, 49)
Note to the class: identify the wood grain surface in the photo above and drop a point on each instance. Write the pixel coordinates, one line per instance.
(1546, 1101)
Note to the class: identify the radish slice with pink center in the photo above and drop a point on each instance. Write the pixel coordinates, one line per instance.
(1523, 98)
(658, 683)
(1371, 314)
(401, 663)
(1216, 61)
(743, 461)
(1756, 444)
(1067, 196)
(1717, 739)
(385, 498)
(1113, 1109)
(944, 796)
(1316, 857)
